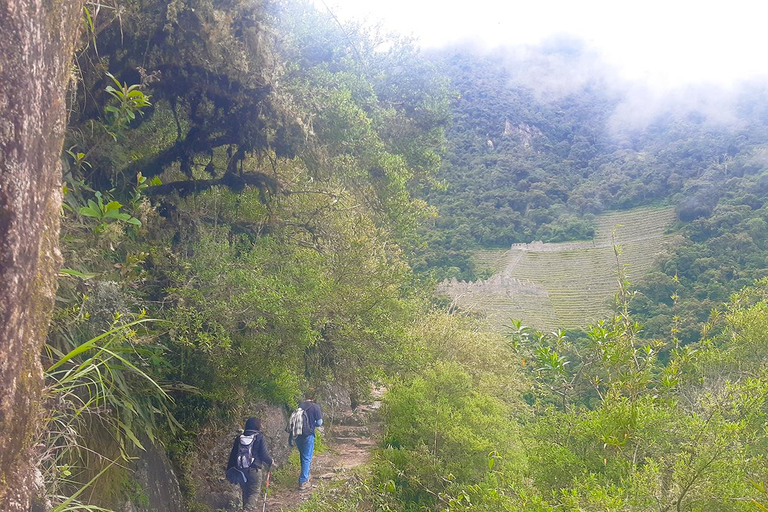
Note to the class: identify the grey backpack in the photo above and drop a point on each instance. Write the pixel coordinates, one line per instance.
(245, 451)
(298, 424)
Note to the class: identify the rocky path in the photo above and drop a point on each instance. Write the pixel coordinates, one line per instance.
(350, 442)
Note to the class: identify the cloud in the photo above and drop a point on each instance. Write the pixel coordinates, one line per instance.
(665, 44)
(565, 65)
(561, 65)
(703, 104)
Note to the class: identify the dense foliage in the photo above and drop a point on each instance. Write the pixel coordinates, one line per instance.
(250, 195)
(721, 250)
(525, 162)
(601, 424)
(242, 175)
(540, 142)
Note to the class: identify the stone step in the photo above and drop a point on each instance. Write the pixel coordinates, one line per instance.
(353, 420)
(348, 431)
(346, 439)
(350, 454)
(353, 439)
(346, 436)
(373, 406)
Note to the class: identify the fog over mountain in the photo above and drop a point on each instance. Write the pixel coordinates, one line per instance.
(664, 44)
(545, 137)
(565, 65)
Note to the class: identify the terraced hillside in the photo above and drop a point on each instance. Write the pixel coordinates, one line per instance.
(569, 284)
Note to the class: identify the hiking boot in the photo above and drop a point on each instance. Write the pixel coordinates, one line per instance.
(303, 486)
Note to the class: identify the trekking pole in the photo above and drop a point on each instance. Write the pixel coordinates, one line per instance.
(266, 490)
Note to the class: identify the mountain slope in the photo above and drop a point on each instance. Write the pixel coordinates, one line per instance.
(567, 285)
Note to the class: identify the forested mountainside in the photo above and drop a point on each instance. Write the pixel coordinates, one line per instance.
(542, 141)
(237, 199)
(255, 198)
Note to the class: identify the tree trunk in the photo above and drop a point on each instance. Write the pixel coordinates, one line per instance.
(37, 38)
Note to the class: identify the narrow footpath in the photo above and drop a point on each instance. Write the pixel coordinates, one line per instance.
(350, 442)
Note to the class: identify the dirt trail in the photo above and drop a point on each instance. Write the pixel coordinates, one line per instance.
(350, 443)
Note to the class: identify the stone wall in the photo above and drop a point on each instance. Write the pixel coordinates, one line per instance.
(498, 284)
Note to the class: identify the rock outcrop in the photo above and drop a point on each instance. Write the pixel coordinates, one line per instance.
(37, 38)
(154, 475)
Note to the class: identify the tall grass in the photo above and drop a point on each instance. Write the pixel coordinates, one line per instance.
(103, 383)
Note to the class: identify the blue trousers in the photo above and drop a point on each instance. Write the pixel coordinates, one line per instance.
(306, 446)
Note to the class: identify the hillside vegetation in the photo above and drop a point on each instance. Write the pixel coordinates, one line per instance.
(524, 162)
(259, 199)
(722, 248)
(237, 182)
(549, 423)
(566, 285)
(544, 139)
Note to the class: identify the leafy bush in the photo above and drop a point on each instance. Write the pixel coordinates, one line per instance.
(441, 412)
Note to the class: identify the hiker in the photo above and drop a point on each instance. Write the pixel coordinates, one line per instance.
(306, 441)
(248, 455)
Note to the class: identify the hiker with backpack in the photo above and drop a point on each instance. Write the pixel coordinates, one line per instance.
(301, 428)
(246, 459)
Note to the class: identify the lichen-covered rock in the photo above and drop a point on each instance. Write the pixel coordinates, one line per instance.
(37, 38)
(158, 485)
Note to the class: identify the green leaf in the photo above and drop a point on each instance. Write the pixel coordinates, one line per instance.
(92, 344)
(134, 221)
(88, 19)
(63, 507)
(112, 205)
(90, 212)
(133, 438)
(114, 214)
(75, 273)
(115, 80)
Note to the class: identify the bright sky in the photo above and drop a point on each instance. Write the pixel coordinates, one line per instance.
(665, 43)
